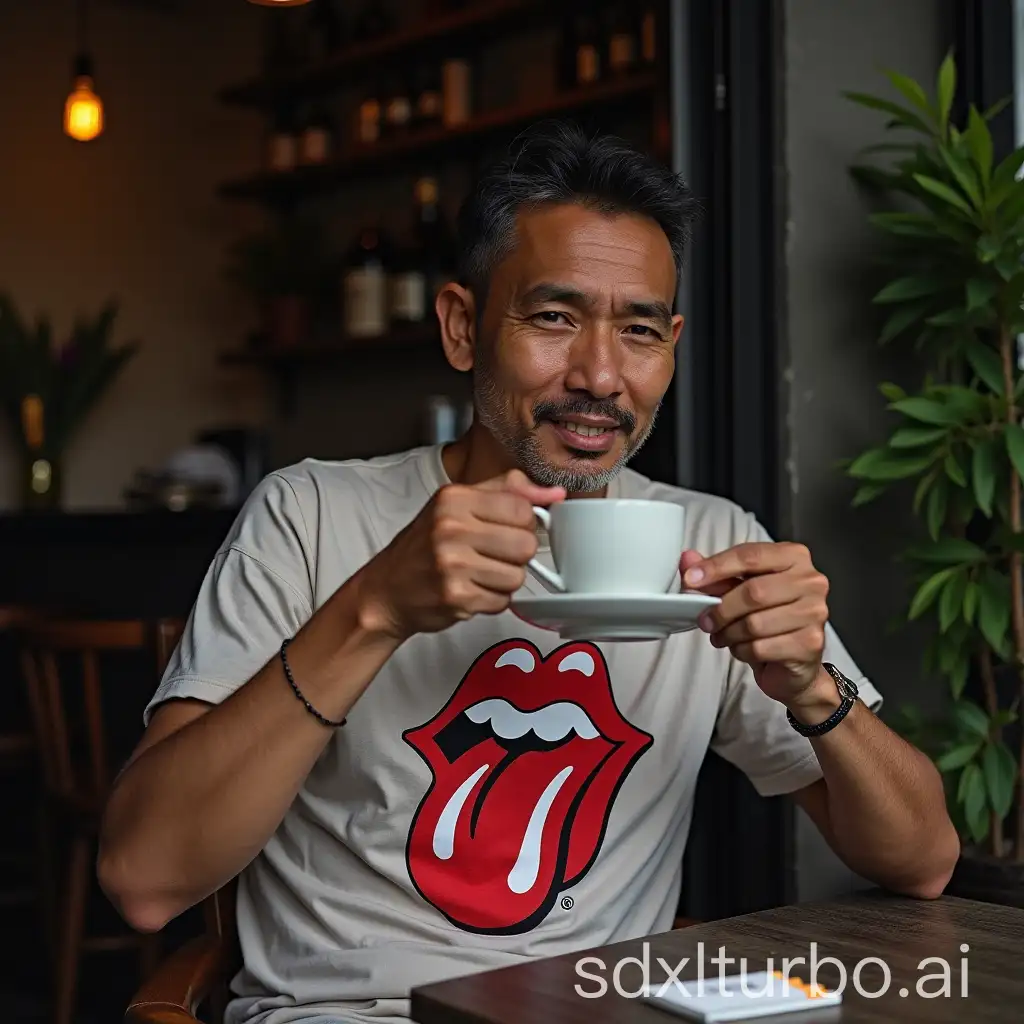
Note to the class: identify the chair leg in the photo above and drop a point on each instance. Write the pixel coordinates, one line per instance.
(46, 878)
(70, 938)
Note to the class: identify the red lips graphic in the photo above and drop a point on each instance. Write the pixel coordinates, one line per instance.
(526, 758)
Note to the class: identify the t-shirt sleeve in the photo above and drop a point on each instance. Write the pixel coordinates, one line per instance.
(257, 591)
(752, 730)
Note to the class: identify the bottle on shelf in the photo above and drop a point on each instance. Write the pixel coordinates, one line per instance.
(283, 143)
(371, 21)
(587, 51)
(435, 241)
(649, 35)
(407, 284)
(369, 116)
(316, 143)
(396, 109)
(442, 420)
(621, 42)
(428, 100)
(457, 90)
(365, 284)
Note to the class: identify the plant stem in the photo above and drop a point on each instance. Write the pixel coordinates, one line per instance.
(988, 680)
(1006, 343)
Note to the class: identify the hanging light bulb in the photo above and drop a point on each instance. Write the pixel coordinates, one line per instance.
(83, 109)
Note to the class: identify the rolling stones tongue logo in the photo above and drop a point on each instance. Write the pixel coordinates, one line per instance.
(526, 758)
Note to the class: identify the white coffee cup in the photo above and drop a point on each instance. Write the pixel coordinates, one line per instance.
(612, 545)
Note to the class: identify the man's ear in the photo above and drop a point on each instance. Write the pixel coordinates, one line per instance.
(456, 314)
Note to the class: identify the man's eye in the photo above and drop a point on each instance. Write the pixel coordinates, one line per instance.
(644, 330)
(551, 316)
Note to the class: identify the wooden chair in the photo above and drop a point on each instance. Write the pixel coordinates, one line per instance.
(77, 773)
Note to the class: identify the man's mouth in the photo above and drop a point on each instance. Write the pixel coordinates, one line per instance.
(585, 436)
(526, 765)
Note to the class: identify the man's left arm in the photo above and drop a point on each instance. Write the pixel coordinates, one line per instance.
(880, 803)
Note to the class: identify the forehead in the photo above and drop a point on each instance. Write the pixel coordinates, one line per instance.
(573, 244)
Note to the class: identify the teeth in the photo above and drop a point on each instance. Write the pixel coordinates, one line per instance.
(586, 431)
(550, 723)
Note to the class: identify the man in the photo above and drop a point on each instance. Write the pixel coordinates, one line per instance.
(313, 731)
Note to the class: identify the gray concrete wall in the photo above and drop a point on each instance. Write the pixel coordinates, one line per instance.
(835, 366)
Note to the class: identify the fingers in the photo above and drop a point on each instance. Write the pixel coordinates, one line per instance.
(763, 593)
(691, 558)
(791, 647)
(768, 623)
(751, 559)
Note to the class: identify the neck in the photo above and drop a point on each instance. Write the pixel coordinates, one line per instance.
(477, 456)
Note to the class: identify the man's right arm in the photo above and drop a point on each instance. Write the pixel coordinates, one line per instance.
(208, 785)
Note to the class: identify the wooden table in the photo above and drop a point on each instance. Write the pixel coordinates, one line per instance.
(901, 932)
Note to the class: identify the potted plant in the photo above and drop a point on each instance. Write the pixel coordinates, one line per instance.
(285, 269)
(47, 389)
(953, 218)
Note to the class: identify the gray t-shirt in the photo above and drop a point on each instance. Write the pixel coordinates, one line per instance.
(439, 834)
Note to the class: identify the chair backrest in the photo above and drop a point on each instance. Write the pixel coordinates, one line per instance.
(82, 774)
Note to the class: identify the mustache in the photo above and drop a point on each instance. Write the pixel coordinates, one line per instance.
(554, 411)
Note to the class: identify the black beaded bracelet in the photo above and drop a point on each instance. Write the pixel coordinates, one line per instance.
(298, 693)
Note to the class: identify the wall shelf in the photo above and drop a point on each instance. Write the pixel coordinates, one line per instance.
(371, 160)
(476, 24)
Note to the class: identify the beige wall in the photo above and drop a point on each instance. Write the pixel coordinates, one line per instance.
(132, 215)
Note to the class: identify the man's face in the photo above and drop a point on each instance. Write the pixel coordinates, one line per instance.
(576, 345)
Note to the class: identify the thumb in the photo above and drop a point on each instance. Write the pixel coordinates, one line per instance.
(690, 558)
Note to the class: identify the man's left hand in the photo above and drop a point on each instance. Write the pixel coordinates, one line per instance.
(772, 616)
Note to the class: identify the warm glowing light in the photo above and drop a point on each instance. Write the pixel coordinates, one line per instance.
(83, 111)
(279, 3)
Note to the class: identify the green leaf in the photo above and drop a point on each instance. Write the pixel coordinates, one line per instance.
(894, 392)
(913, 225)
(958, 756)
(925, 410)
(881, 464)
(950, 551)
(912, 91)
(985, 362)
(904, 116)
(971, 718)
(945, 89)
(980, 292)
(1000, 772)
(954, 470)
(1015, 446)
(866, 493)
(997, 108)
(951, 602)
(916, 437)
(908, 288)
(994, 608)
(942, 191)
(972, 794)
(938, 505)
(901, 319)
(971, 595)
(963, 174)
(983, 475)
(928, 591)
(979, 141)
(958, 677)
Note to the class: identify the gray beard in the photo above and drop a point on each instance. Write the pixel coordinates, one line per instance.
(524, 449)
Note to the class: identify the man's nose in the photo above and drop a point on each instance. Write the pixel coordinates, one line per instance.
(595, 362)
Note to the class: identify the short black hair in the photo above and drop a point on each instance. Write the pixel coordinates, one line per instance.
(557, 163)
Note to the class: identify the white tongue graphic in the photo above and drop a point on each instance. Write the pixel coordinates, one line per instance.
(522, 877)
(444, 830)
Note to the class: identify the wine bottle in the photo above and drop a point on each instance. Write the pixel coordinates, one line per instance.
(649, 35)
(457, 91)
(366, 284)
(397, 106)
(407, 288)
(429, 102)
(283, 144)
(588, 50)
(318, 134)
(368, 116)
(435, 242)
(621, 39)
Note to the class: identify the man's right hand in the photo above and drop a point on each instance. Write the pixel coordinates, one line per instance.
(465, 554)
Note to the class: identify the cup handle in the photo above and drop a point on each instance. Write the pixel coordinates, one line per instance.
(549, 576)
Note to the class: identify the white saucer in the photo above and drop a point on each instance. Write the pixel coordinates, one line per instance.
(614, 616)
